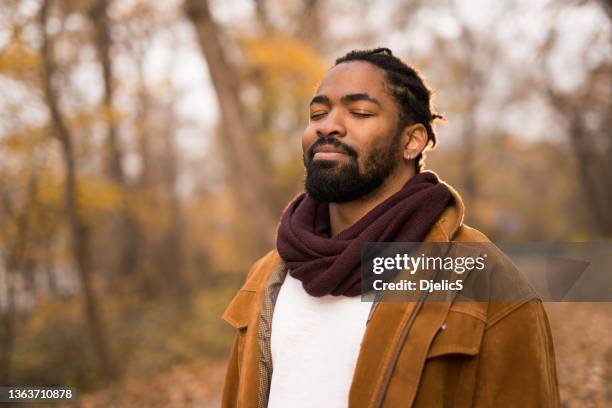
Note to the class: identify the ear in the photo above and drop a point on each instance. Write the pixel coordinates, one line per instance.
(414, 140)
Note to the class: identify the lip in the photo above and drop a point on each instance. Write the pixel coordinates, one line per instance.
(328, 155)
(328, 152)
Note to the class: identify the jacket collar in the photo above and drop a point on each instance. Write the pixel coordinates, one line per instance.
(449, 222)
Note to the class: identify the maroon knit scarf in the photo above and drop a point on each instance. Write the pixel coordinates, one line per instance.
(332, 265)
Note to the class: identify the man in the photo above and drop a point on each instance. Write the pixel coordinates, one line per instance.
(304, 337)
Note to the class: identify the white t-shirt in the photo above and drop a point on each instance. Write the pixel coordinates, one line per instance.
(315, 343)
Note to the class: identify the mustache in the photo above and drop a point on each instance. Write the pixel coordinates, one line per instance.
(334, 142)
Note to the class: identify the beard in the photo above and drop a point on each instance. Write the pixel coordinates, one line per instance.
(329, 181)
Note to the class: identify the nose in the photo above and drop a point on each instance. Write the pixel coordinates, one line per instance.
(331, 126)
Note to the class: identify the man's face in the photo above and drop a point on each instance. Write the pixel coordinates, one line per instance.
(352, 142)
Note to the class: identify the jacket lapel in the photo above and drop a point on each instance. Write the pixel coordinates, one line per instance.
(243, 312)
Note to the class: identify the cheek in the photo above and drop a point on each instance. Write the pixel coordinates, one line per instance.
(374, 144)
(308, 137)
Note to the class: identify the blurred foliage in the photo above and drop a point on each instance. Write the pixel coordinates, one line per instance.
(147, 338)
(521, 180)
(170, 241)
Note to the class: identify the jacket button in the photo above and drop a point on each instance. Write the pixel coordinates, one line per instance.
(443, 327)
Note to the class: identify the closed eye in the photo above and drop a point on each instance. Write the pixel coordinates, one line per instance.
(317, 115)
(362, 114)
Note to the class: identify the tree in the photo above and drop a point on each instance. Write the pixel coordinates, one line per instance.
(79, 230)
(14, 260)
(251, 179)
(129, 242)
(585, 113)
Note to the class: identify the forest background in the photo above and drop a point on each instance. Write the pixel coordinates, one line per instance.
(147, 149)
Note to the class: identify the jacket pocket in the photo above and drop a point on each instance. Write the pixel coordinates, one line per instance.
(238, 312)
(461, 333)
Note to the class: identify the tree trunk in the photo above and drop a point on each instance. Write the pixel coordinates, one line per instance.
(128, 228)
(591, 147)
(309, 25)
(99, 18)
(7, 334)
(49, 265)
(594, 178)
(79, 230)
(16, 262)
(473, 82)
(252, 184)
(468, 157)
(169, 254)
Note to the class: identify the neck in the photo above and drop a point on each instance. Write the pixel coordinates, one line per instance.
(343, 215)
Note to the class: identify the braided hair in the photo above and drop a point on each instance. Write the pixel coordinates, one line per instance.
(407, 86)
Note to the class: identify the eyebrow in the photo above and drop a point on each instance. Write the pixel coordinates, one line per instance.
(322, 99)
(359, 97)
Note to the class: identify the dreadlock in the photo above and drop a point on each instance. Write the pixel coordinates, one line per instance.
(407, 86)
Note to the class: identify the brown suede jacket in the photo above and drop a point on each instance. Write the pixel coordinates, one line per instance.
(429, 354)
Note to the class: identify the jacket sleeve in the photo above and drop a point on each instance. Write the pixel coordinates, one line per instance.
(232, 377)
(517, 360)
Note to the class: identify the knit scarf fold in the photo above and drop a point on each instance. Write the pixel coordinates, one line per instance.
(331, 265)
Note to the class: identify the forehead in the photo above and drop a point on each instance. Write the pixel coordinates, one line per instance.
(352, 78)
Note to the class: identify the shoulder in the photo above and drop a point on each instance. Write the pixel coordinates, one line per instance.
(468, 234)
(507, 288)
(239, 312)
(498, 264)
